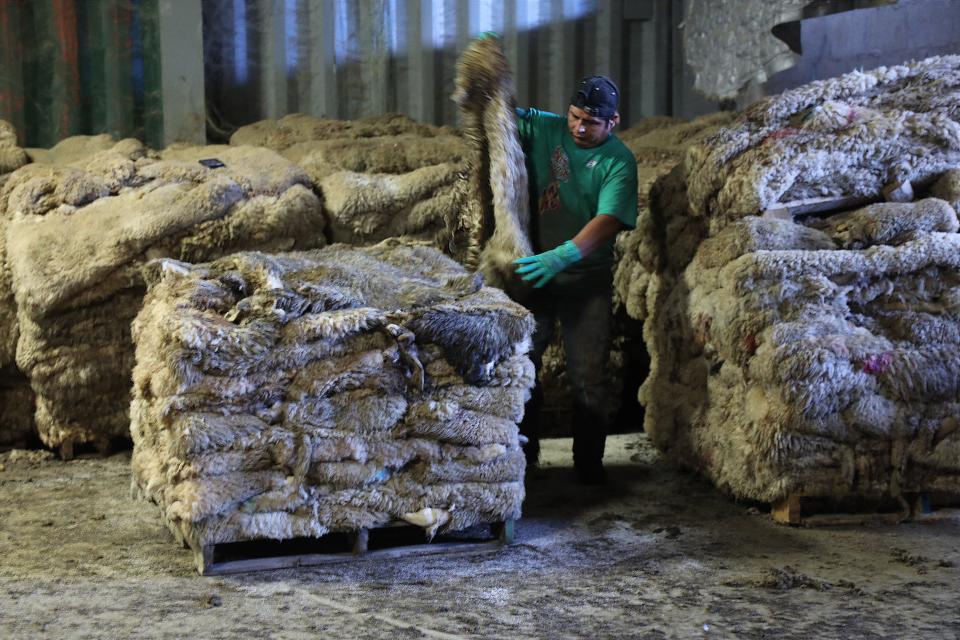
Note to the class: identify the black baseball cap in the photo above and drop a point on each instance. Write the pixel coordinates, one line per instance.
(597, 95)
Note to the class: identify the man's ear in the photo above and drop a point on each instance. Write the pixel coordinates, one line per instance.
(615, 119)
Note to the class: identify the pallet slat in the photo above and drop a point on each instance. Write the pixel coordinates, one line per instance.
(787, 210)
(798, 509)
(359, 542)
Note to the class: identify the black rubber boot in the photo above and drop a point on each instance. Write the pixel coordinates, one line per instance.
(530, 427)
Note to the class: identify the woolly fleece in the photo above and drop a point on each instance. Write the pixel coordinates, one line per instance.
(287, 395)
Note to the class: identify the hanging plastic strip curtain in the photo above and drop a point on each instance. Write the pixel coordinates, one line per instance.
(71, 67)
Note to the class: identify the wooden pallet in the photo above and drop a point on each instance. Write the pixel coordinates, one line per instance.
(892, 192)
(787, 210)
(815, 511)
(397, 540)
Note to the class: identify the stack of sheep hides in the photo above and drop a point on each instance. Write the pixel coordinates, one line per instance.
(291, 395)
(800, 351)
(77, 236)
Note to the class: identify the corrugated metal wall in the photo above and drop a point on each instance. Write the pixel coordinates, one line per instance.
(353, 58)
(150, 69)
(79, 66)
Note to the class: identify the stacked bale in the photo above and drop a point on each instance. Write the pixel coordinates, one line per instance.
(811, 353)
(297, 394)
(848, 136)
(379, 177)
(295, 128)
(77, 236)
(75, 149)
(16, 399)
(828, 370)
(659, 145)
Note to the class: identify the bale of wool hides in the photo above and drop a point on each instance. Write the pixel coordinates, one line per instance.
(379, 177)
(297, 128)
(289, 395)
(846, 136)
(78, 236)
(647, 125)
(38, 188)
(12, 157)
(496, 209)
(388, 186)
(365, 208)
(383, 154)
(74, 149)
(658, 146)
(785, 363)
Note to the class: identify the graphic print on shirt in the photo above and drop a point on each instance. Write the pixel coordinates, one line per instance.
(559, 172)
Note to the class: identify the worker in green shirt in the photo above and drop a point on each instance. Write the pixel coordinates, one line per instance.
(583, 184)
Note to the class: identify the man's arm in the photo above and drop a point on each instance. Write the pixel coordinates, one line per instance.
(597, 232)
(543, 266)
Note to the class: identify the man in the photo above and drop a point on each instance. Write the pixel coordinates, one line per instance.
(583, 183)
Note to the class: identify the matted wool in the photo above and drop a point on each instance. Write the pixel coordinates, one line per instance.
(289, 395)
(947, 187)
(76, 149)
(366, 208)
(78, 235)
(813, 355)
(295, 128)
(659, 145)
(380, 177)
(87, 167)
(814, 369)
(847, 136)
(393, 155)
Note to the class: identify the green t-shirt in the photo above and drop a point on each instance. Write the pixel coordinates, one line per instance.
(569, 186)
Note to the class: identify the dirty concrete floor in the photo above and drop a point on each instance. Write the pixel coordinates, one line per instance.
(656, 554)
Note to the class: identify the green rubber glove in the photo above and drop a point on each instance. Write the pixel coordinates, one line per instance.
(543, 266)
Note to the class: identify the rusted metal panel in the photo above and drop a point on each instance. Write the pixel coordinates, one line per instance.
(111, 66)
(11, 68)
(363, 57)
(66, 70)
(106, 52)
(71, 67)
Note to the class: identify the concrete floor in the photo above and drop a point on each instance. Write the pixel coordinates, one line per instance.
(656, 554)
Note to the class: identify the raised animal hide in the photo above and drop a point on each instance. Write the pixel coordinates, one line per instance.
(496, 210)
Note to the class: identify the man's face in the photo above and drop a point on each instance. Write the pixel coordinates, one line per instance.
(588, 131)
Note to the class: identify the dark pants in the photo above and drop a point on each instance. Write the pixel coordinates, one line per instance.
(585, 318)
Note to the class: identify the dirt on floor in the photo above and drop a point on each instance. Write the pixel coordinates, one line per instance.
(657, 553)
